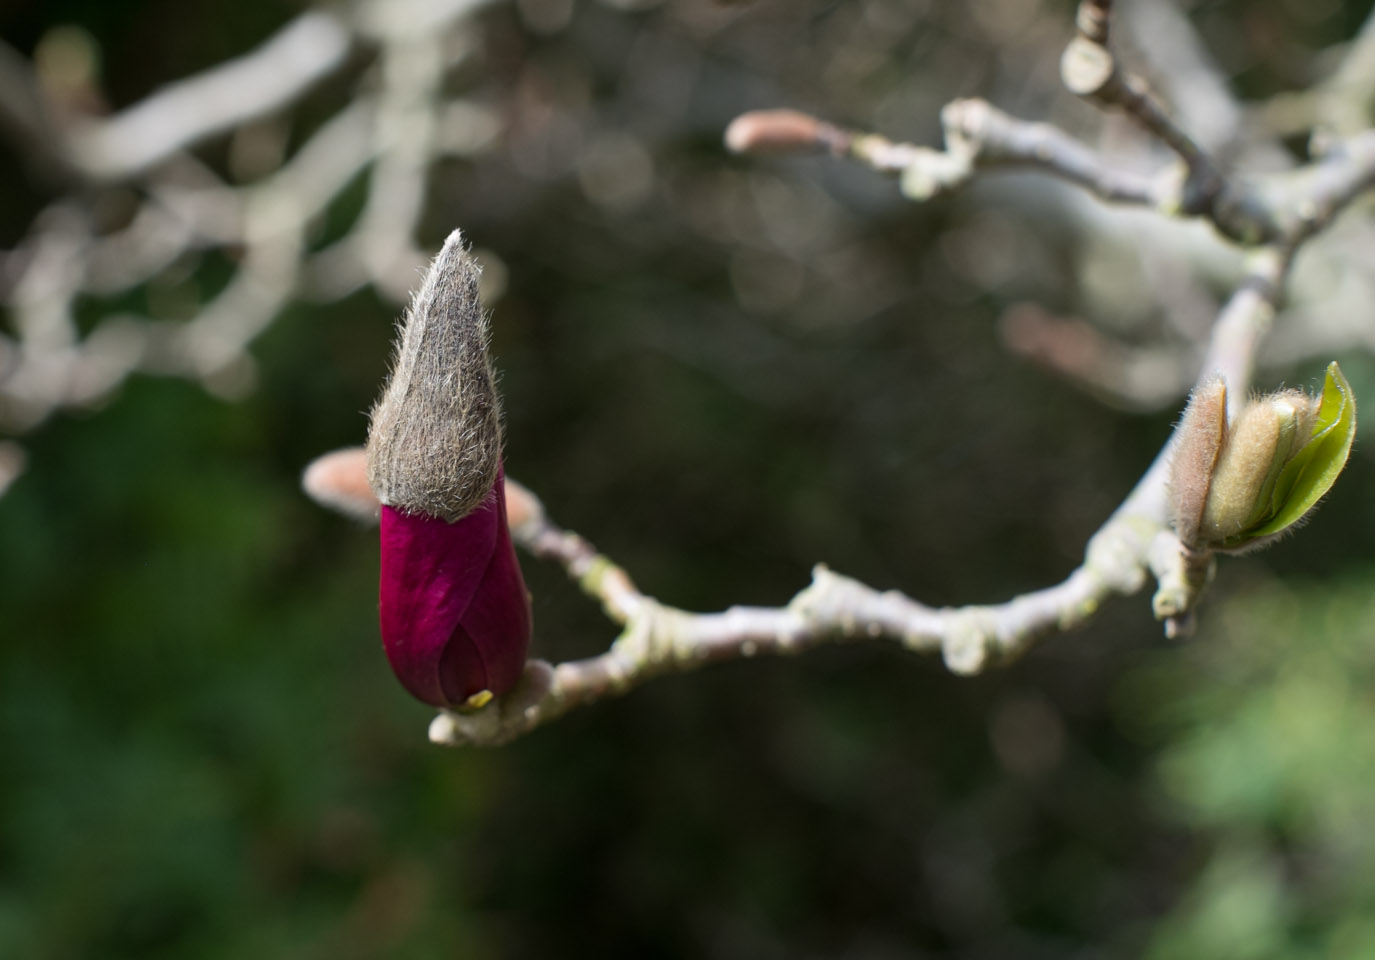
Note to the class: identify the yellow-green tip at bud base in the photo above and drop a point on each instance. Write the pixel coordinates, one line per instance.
(1240, 485)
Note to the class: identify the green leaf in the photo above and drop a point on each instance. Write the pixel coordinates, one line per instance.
(1311, 472)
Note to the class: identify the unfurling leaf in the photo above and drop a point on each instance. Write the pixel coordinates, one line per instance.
(1314, 468)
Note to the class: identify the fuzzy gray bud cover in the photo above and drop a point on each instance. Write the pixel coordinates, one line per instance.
(434, 447)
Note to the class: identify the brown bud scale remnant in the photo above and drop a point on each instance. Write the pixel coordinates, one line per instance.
(434, 445)
(1201, 433)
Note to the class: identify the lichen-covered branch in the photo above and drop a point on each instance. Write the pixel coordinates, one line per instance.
(978, 137)
(1090, 70)
(658, 639)
(1278, 209)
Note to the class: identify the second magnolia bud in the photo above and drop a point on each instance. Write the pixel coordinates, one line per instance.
(1235, 486)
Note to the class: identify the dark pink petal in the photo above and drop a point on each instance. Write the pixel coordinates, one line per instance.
(454, 609)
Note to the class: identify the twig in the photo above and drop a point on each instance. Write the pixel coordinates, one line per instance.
(1283, 209)
(659, 639)
(309, 48)
(396, 125)
(1090, 70)
(1181, 66)
(1311, 197)
(978, 137)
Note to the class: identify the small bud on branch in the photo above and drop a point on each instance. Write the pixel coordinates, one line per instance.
(783, 132)
(339, 480)
(1235, 487)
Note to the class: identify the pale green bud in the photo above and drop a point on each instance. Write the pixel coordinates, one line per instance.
(1259, 444)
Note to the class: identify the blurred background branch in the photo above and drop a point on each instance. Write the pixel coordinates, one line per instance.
(171, 207)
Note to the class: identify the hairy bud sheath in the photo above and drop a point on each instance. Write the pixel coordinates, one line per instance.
(1199, 441)
(435, 441)
(455, 614)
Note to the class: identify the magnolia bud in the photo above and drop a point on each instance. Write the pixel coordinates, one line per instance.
(339, 480)
(455, 614)
(782, 132)
(1234, 487)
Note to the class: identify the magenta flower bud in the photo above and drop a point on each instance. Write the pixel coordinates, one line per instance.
(455, 614)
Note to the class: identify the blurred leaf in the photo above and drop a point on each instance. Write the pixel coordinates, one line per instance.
(1272, 757)
(1236, 912)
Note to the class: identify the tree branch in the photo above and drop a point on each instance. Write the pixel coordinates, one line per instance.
(399, 125)
(1090, 70)
(287, 64)
(978, 137)
(657, 639)
(1272, 217)
(1134, 542)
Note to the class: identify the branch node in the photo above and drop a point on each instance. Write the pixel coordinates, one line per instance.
(1088, 69)
(1115, 552)
(1181, 575)
(967, 640)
